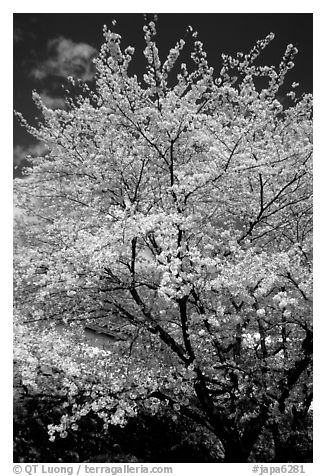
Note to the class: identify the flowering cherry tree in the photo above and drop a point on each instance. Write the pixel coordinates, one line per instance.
(177, 208)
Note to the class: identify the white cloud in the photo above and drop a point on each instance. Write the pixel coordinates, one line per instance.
(53, 102)
(67, 58)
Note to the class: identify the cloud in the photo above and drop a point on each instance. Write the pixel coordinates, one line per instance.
(53, 102)
(66, 58)
(18, 34)
(20, 154)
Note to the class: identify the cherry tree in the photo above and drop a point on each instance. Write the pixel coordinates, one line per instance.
(177, 208)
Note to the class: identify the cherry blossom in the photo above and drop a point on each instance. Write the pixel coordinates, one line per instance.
(176, 208)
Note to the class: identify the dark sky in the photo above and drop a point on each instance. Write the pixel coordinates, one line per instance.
(48, 47)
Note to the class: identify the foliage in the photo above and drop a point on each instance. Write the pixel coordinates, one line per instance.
(41, 396)
(177, 208)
